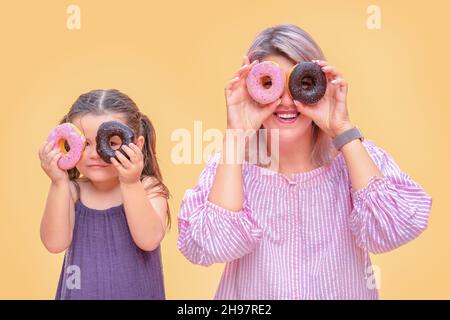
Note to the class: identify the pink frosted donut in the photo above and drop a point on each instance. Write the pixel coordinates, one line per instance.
(69, 133)
(265, 82)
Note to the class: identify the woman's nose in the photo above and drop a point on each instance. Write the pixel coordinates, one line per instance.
(286, 98)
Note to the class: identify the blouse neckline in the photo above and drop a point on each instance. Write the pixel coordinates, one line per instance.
(114, 209)
(301, 179)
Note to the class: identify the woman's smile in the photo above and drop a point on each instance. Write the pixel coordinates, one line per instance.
(286, 116)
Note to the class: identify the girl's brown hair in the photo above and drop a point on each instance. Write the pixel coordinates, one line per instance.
(113, 101)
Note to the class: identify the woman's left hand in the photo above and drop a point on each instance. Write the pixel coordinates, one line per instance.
(129, 170)
(330, 113)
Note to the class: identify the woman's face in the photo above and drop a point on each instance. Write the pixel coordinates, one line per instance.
(91, 165)
(293, 128)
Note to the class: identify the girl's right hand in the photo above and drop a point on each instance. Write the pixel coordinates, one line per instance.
(242, 111)
(49, 162)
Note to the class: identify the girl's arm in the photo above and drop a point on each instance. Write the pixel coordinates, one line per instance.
(146, 214)
(59, 213)
(58, 218)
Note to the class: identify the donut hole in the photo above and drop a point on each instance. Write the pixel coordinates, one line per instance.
(307, 83)
(115, 142)
(266, 82)
(64, 146)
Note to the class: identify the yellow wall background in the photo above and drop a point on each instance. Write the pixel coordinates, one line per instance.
(174, 58)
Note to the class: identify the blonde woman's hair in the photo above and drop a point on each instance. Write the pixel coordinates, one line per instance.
(297, 45)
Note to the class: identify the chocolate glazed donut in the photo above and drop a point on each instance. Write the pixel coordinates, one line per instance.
(307, 83)
(105, 132)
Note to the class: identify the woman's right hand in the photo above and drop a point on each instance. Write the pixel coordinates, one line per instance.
(242, 111)
(49, 162)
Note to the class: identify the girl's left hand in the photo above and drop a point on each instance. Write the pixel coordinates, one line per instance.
(129, 170)
(329, 113)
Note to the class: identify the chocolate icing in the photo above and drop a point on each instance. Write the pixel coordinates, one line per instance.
(105, 132)
(307, 82)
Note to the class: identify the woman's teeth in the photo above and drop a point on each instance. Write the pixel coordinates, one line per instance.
(287, 115)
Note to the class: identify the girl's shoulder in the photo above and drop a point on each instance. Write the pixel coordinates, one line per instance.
(75, 188)
(153, 187)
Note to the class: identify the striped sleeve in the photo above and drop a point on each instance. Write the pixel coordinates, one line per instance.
(391, 210)
(209, 233)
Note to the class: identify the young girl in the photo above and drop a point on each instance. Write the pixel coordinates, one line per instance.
(111, 218)
(305, 231)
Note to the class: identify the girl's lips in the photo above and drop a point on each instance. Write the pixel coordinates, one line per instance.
(96, 166)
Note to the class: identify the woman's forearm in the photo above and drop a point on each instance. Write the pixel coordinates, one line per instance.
(227, 188)
(56, 227)
(360, 165)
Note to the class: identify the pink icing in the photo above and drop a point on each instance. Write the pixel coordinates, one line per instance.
(257, 91)
(66, 132)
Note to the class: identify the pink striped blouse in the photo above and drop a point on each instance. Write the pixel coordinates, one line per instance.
(307, 237)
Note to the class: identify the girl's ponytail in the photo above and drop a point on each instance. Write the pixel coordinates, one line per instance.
(151, 167)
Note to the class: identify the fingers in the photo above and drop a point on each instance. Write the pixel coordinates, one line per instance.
(123, 164)
(50, 160)
(133, 152)
(246, 60)
(342, 88)
(41, 149)
(123, 160)
(245, 69)
(54, 160)
(339, 82)
(48, 157)
(138, 152)
(240, 75)
(117, 165)
(45, 148)
(330, 71)
(231, 84)
(320, 62)
(304, 109)
(270, 108)
(273, 105)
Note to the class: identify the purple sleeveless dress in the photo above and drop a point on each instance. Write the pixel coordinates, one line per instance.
(103, 262)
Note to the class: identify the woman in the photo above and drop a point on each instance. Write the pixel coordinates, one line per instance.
(306, 230)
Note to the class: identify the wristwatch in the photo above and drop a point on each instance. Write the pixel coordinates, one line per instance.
(345, 137)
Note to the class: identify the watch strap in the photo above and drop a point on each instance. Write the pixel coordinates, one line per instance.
(345, 137)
